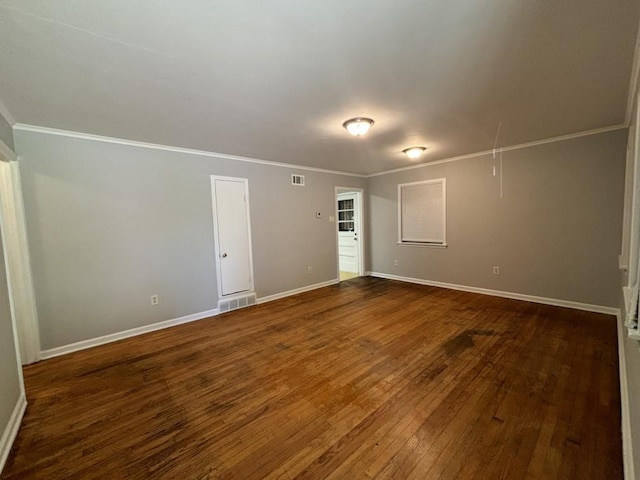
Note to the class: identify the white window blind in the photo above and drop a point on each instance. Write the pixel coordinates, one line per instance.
(422, 212)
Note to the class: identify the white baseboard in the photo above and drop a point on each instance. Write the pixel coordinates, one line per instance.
(627, 444)
(295, 291)
(113, 337)
(11, 431)
(497, 293)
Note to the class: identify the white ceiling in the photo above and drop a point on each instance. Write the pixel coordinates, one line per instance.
(274, 80)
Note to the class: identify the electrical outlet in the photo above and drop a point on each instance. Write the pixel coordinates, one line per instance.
(309, 269)
(395, 262)
(496, 270)
(154, 300)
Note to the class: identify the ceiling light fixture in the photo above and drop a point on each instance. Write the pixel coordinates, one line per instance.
(414, 152)
(358, 126)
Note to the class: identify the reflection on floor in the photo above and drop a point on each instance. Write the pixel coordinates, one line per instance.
(371, 378)
(347, 275)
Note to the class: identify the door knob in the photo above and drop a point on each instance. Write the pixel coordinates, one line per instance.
(355, 239)
(224, 255)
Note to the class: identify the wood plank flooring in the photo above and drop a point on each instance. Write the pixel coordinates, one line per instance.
(368, 379)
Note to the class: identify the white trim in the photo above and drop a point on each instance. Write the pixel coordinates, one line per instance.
(114, 337)
(295, 291)
(5, 239)
(561, 138)
(443, 181)
(7, 153)
(4, 111)
(18, 264)
(359, 194)
(627, 443)
(627, 211)
(168, 148)
(498, 293)
(633, 82)
(623, 263)
(11, 431)
(422, 245)
(30, 344)
(189, 151)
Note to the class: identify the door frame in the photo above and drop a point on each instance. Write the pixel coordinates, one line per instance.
(17, 260)
(216, 241)
(359, 192)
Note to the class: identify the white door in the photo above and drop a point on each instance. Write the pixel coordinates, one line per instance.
(232, 231)
(348, 230)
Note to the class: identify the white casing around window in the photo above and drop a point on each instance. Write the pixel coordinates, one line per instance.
(422, 212)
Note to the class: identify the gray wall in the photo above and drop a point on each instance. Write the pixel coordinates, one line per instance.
(555, 233)
(109, 225)
(6, 133)
(10, 382)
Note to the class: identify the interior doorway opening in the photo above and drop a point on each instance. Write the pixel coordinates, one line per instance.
(349, 232)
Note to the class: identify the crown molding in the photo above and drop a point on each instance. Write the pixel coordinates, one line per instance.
(168, 148)
(561, 138)
(188, 151)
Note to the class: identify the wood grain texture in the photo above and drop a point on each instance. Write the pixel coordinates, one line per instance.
(368, 379)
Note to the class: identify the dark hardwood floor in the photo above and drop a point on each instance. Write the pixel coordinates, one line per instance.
(367, 379)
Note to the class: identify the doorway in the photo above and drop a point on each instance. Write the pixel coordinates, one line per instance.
(232, 232)
(14, 239)
(350, 242)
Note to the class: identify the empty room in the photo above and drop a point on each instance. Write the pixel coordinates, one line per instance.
(319, 240)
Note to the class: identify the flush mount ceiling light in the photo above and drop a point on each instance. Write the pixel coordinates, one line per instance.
(358, 126)
(414, 152)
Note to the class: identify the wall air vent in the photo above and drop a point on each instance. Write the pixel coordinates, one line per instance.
(297, 180)
(235, 303)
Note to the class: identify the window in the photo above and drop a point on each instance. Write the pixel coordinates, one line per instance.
(422, 213)
(346, 215)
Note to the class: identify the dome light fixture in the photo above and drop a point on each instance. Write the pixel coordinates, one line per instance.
(414, 152)
(358, 126)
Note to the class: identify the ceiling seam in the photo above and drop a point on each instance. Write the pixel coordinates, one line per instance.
(88, 32)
